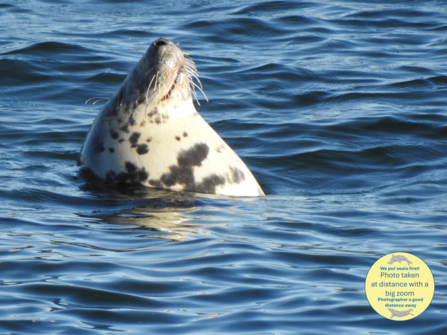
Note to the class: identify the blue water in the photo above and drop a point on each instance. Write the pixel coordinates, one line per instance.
(338, 107)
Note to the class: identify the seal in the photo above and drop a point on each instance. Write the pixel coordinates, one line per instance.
(150, 133)
(399, 258)
(400, 313)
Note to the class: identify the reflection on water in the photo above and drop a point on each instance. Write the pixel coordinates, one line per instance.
(167, 213)
(167, 222)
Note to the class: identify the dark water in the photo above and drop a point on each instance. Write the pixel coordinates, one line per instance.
(338, 107)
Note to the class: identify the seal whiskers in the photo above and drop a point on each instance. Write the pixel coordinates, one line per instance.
(191, 71)
(99, 99)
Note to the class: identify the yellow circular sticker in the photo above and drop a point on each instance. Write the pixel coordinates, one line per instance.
(399, 286)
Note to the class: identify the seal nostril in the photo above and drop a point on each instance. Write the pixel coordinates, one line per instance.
(160, 42)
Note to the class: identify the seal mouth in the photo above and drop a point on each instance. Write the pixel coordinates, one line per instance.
(171, 69)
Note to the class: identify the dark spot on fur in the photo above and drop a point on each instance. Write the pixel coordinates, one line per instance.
(172, 178)
(130, 167)
(237, 175)
(142, 174)
(148, 140)
(111, 176)
(193, 156)
(142, 149)
(111, 149)
(125, 129)
(208, 185)
(119, 120)
(154, 116)
(183, 173)
(131, 175)
(185, 134)
(133, 139)
(99, 147)
(121, 140)
(114, 134)
(158, 118)
(132, 121)
(156, 183)
(177, 138)
(153, 112)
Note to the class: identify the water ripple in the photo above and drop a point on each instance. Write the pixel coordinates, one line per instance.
(337, 108)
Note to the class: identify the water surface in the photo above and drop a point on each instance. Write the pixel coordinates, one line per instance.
(339, 108)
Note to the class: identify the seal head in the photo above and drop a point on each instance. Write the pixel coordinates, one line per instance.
(150, 133)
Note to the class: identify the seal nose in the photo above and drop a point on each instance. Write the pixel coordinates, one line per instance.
(160, 42)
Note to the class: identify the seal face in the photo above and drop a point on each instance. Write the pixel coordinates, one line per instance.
(149, 133)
